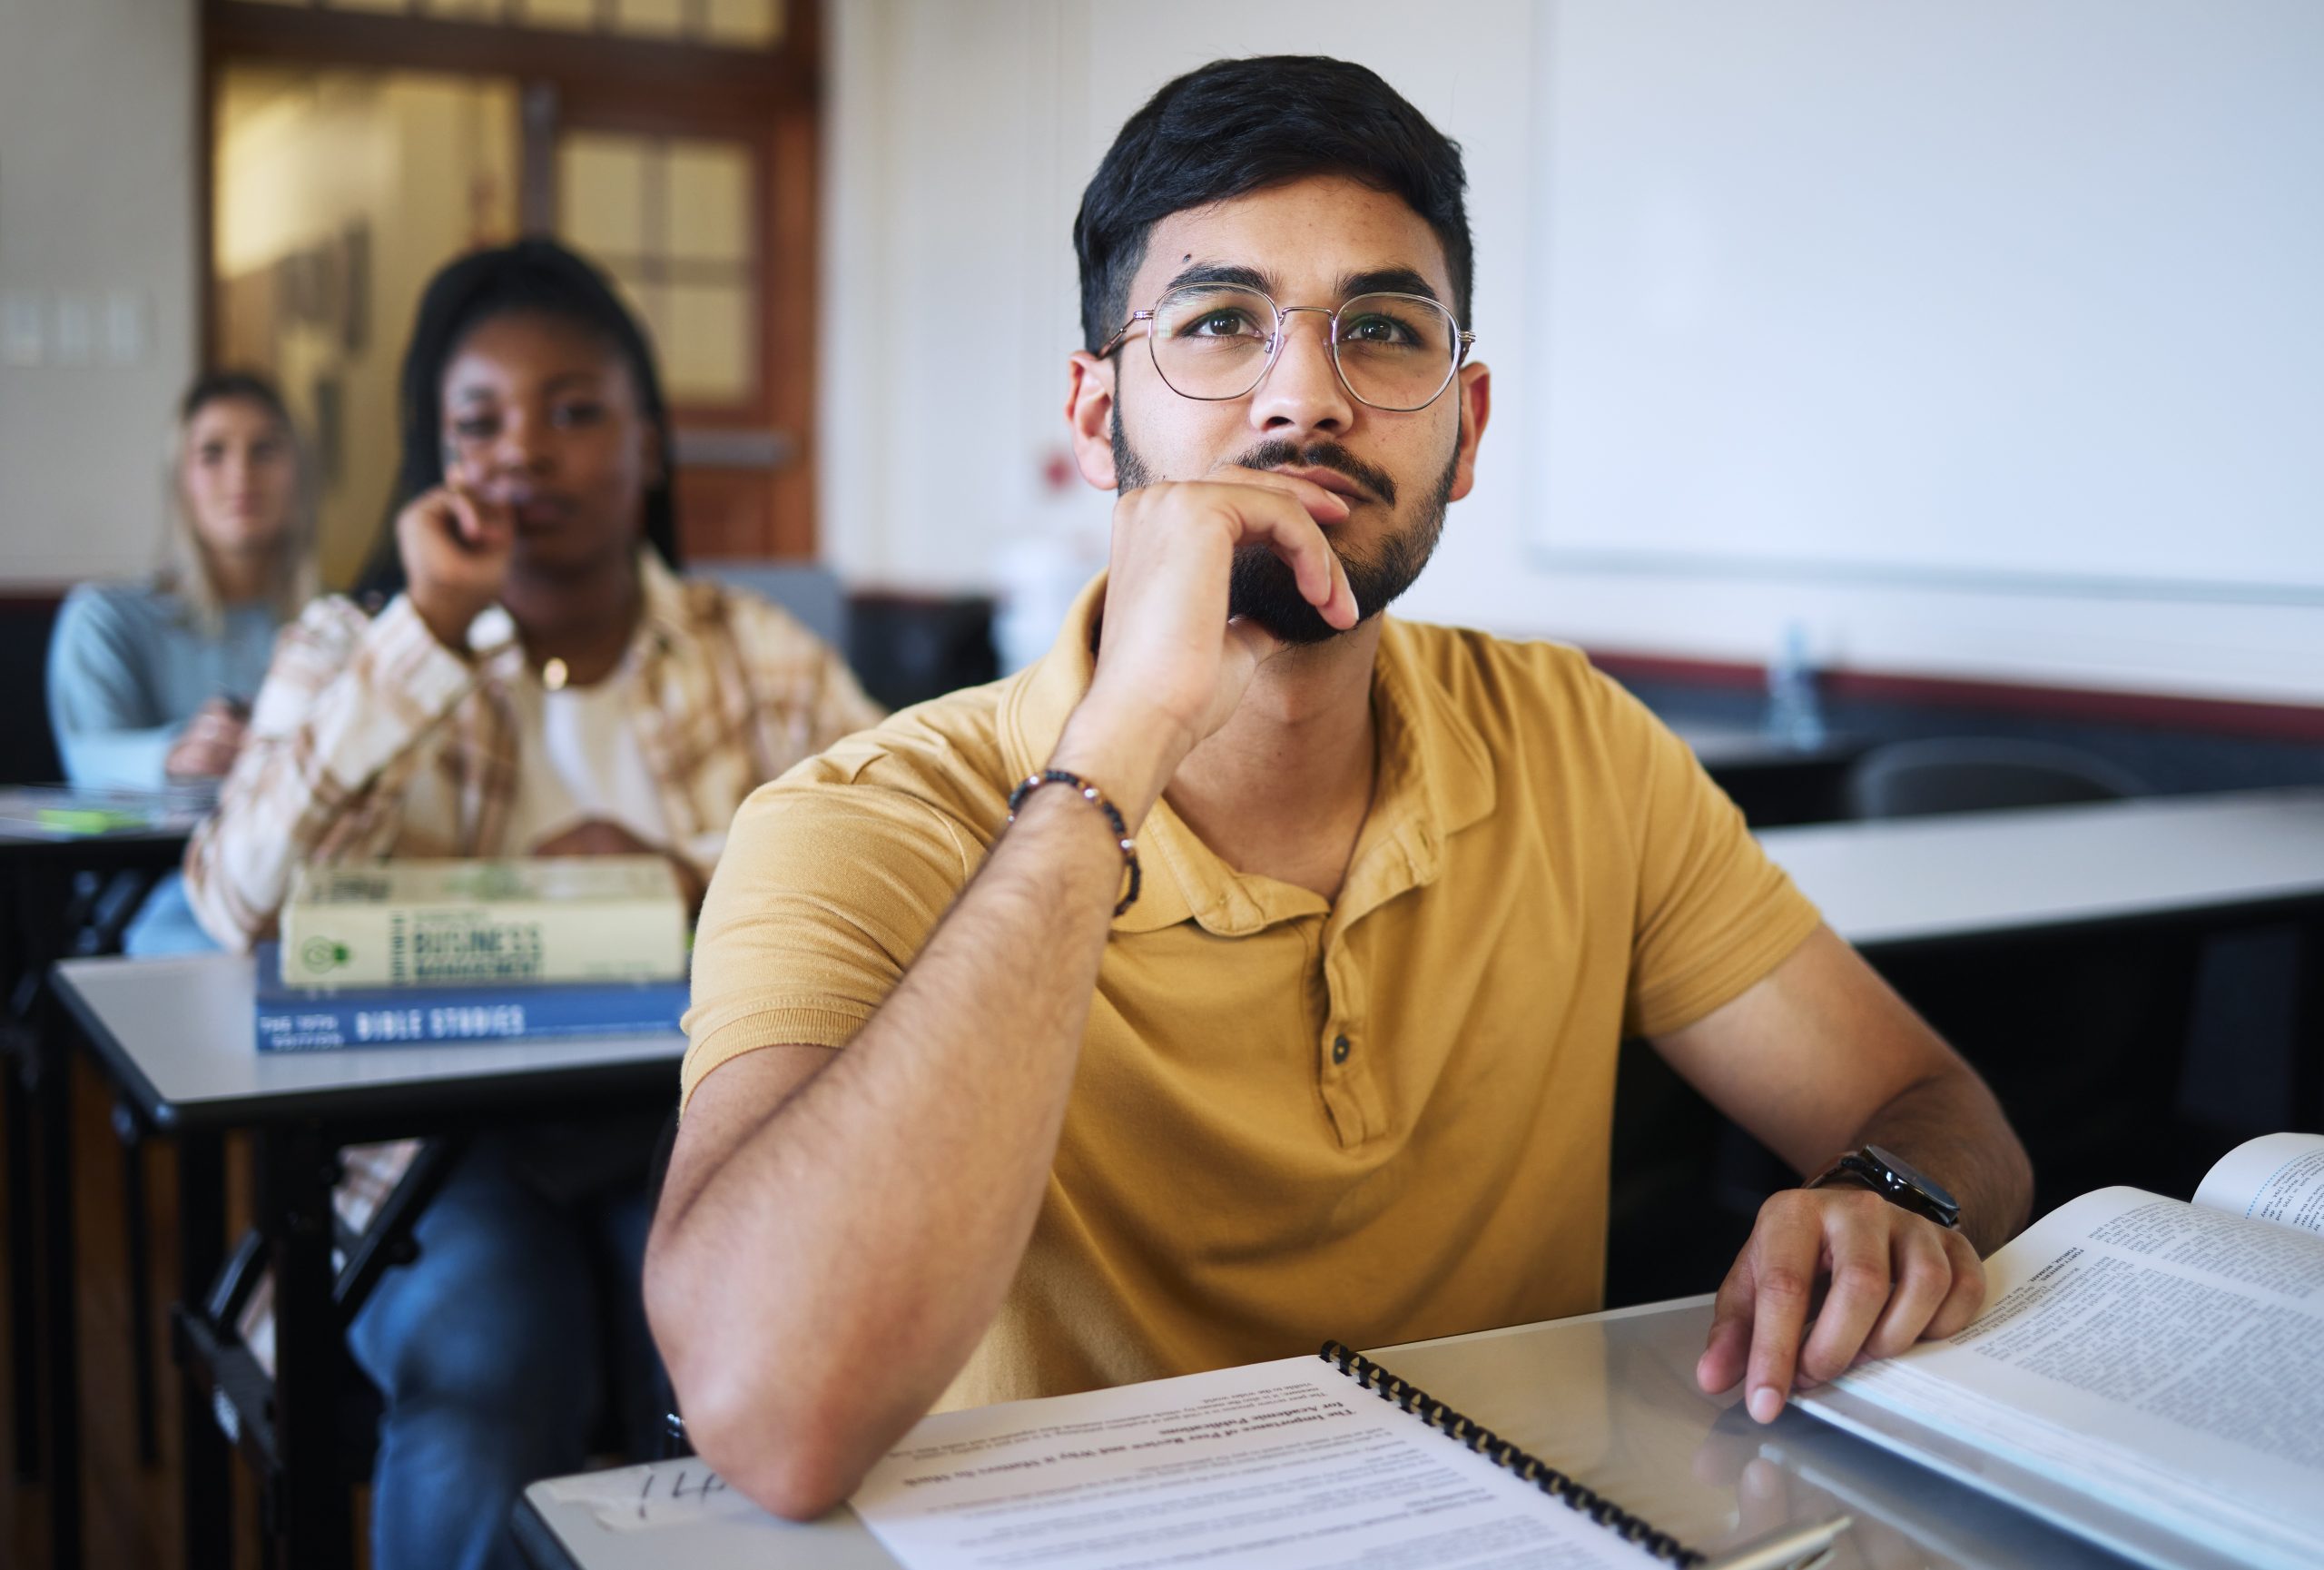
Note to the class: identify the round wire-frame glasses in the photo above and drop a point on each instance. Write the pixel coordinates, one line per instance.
(1221, 348)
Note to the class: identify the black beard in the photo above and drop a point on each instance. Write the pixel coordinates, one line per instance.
(1261, 586)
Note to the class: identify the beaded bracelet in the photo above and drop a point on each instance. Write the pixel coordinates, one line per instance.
(1091, 795)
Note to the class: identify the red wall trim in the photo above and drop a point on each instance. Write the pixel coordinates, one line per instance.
(2153, 711)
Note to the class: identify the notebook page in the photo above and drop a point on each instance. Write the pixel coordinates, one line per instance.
(2276, 1178)
(1281, 1465)
(2158, 1356)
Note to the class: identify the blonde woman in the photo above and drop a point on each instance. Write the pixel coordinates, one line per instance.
(149, 683)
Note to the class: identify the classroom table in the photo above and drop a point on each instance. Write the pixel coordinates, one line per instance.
(40, 863)
(1609, 1397)
(175, 1035)
(2240, 855)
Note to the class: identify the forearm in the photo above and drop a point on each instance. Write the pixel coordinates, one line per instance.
(818, 1290)
(1950, 1127)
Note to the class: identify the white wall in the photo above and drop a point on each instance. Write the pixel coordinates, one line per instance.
(97, 278)
(2177, 153)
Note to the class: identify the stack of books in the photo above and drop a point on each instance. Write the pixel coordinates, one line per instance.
(422, 952)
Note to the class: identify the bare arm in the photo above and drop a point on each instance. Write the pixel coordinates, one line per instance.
(1819, 1058)
(837, 1230)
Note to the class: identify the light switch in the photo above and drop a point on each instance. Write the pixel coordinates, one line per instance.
(24, 335)
(75, 336)
(124, 326)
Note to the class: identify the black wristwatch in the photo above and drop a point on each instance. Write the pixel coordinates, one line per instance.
(1897, 1181)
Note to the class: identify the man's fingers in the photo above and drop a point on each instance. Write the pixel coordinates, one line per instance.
(1721, 1364)
(1965, 1297)
(1855, 1236)
(1787, 1245)
(1924, 1276)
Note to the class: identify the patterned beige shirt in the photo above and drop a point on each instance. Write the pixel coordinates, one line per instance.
(722, 692)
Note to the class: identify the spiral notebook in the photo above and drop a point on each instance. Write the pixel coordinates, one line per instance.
(1568, 1490)
(1275, 1466)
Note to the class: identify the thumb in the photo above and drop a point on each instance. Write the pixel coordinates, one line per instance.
(1254, 644)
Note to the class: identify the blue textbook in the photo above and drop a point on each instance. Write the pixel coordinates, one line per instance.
(312, 1020)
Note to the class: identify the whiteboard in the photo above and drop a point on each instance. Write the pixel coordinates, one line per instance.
(2005, 295)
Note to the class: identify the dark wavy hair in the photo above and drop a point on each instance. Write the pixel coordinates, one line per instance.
(1235, 126)
(534, 277)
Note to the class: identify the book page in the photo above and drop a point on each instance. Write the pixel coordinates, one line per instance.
(1286, 1465)
(2160, 1356)
(2276, 1178)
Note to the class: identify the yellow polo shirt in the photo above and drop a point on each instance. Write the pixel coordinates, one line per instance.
(1379, 1119)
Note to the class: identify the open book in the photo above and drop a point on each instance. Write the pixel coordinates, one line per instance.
(2147, 1372)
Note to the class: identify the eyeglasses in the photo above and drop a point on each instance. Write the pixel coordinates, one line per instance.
(1392, 351)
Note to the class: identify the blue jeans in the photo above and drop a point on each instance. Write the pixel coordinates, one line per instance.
(491, 1351)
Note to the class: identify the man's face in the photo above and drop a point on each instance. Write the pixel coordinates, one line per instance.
(1315, 241)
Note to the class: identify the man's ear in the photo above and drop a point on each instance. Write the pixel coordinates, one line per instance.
(1089, 415)
(1473, 388)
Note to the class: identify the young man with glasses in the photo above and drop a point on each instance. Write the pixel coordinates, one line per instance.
(1251, 969)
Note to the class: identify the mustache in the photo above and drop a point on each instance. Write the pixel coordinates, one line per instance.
(1277, 453)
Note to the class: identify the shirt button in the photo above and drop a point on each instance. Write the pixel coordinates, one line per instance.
(1339, 1048)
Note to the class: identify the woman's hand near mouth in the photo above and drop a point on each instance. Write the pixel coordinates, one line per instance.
(456, 546)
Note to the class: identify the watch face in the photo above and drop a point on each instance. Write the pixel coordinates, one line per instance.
(1903, 1173)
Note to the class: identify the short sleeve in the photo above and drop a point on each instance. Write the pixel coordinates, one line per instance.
(1714, 915)
(832, 878)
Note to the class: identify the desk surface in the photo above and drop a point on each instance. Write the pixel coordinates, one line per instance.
(1609, 1397)
(1916, 880)
(177, 1034)
(1723, 747)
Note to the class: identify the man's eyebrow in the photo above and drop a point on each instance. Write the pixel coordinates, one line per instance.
(1225, 273)
(1388, 281)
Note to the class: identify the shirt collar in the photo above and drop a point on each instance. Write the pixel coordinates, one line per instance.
(664, 625)
(1436, 778)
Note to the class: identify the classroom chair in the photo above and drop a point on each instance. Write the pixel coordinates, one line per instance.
(1977, 774)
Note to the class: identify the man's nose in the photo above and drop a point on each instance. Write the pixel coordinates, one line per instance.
(1302, 390)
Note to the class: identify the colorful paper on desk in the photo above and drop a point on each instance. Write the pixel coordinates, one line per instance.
(63, 813)
(1280, 1466)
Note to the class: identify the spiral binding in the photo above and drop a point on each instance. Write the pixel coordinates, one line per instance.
(1576, 1494)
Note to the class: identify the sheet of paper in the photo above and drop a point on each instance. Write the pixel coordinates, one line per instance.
(1289, 1466)
(2276, 1178)
(665, 1494)
(2158, 1356)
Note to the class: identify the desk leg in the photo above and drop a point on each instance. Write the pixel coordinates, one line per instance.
(206, 1503)
(24, 1258)
(315, 1522)
(53, 1092)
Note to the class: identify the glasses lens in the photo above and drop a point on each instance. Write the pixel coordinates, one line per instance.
(1396, 350)
(1210, 341)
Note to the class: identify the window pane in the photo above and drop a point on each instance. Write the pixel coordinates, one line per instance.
(652, 18)
(601, 192)
(371, 5)
(746, 24)
(580, 14)
(706, 349)
(710, 204)
(464, 10)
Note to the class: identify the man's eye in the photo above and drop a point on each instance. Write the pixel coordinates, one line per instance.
(1375, 328)
(1224, 324)
(572, 414)
(475, 428)
(212, 453)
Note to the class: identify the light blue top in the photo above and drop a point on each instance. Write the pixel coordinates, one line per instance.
(128, 666)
